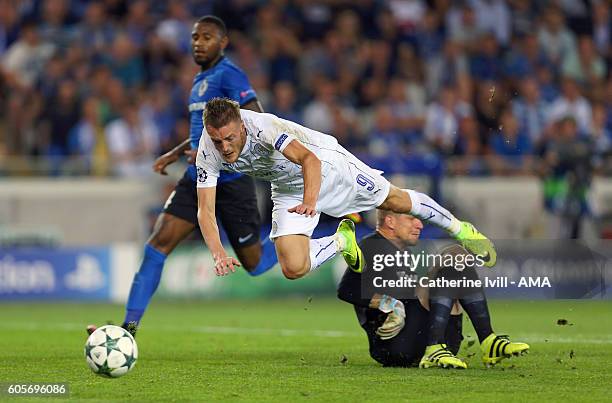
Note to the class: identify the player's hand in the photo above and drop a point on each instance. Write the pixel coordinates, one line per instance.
(304, 209)
(191, 156)
(396, 316)
(160, 164)
(224, 264)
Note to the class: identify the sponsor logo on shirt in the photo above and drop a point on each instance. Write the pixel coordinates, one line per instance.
(197, 106)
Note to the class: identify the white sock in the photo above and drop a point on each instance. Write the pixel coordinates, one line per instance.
(321, 250)
(427, 209)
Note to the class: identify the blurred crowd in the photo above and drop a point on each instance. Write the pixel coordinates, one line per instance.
(485, 86)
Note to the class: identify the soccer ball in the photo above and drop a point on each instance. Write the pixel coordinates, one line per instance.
(111, 351)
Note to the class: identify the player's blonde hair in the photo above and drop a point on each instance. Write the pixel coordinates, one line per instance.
(381, 215)
(221, 111)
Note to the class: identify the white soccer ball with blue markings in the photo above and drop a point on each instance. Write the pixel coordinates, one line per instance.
(111, 351)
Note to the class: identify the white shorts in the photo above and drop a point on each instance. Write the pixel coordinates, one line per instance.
(350, 186)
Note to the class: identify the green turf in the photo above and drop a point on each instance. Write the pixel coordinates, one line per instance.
(292, 350)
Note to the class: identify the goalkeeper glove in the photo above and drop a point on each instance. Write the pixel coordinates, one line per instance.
(396, 315)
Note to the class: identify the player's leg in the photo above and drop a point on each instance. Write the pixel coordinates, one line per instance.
(407, 201)
(236, 207)
(438, 353)
(494, 348)
(169, 231)
(293, 253)
(297, 253)
(174, 224)
(454, 332)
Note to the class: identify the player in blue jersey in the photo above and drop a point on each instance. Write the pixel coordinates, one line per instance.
(236, 202)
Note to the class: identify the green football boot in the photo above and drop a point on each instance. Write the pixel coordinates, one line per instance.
(495, 348)
(437, 355)
(476, 243)
(350, 251)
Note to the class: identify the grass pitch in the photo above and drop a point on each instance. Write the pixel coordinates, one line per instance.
(303, 350)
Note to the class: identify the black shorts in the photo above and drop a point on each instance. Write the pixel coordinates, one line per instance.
(236, 208)
(407, 348)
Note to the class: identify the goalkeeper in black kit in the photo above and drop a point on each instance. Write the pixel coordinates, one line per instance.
(408, 326)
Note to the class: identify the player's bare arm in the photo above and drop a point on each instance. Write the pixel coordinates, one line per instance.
(160, 164)
(208, 225)
(311, 170)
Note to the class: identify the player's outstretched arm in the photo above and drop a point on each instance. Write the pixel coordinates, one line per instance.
(311, 170)
(208, 225)
(160, 164)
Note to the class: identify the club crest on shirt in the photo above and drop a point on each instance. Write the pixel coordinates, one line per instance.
(260, 150)
(202, 175)
(203, 87)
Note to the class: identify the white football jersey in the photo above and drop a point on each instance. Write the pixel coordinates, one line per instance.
(347, 184)
(261, 157)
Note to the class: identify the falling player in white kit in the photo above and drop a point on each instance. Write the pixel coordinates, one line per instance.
(310, 174)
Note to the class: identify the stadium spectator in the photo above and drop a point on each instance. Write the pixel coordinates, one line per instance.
(284, 105)
(56, 24)
(448, 69)
(602, 23)
(95, 32)
(138, 22)
(523, 18)
(429, 37)
(511, 147)
(525, 58)
(462, 26)
(385, 138)
(175, 30)
(317, 113)
(530, 111)
(87, 139)
(9, 24)
(569, 163)
(59, 116)
(133, 142)
(468, 150)
(360, 52)
(124, 62)
(601, 135)
(442, 120)
(408, 13)
(156, 109)
(25, 59)
(585, 66)
(486, 64)
(278, 45)
(407, 112)
(572, 103)
(493, 16)
(556, 40)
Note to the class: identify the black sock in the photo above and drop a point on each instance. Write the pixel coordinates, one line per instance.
(476, 307)
(439, 313)
(454, 333)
